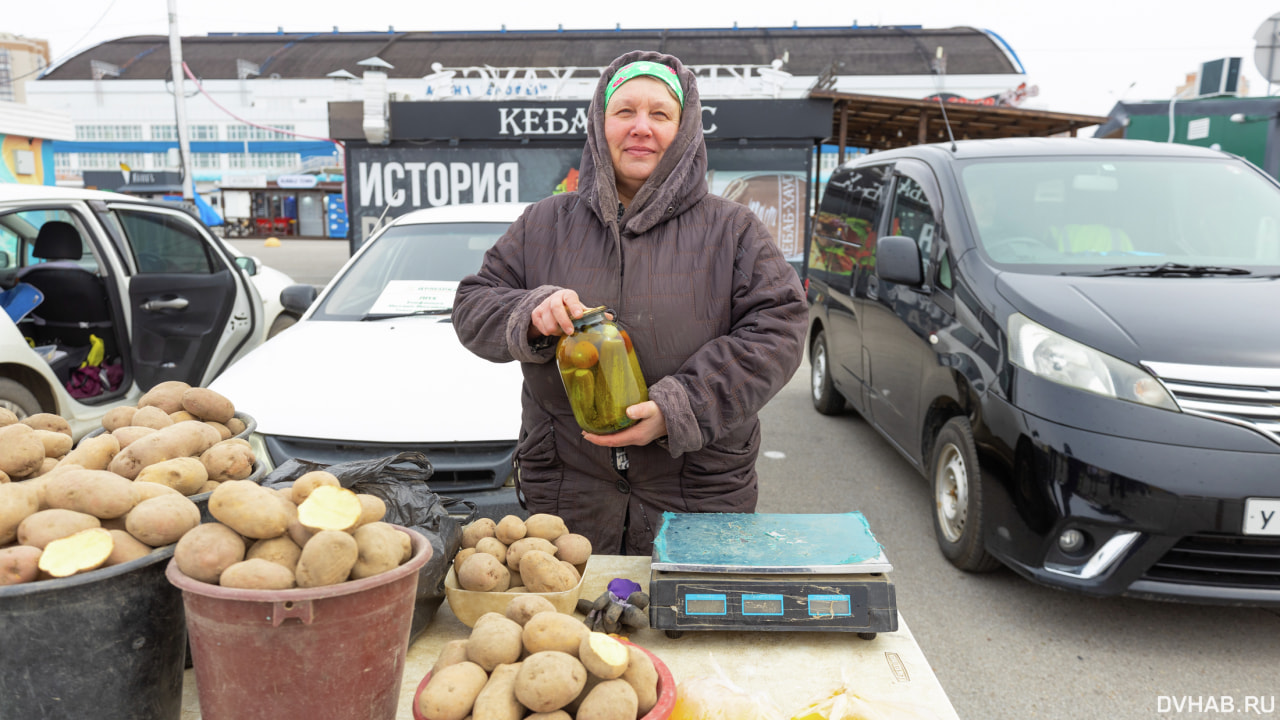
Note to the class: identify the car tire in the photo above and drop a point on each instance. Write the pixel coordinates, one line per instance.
(17, 399)
(957, 498)
(826, 398)
(283, 322)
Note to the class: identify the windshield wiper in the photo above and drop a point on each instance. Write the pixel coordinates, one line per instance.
(387, 316)
(1169, 269)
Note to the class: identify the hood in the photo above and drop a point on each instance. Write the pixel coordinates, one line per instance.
(1226, 321)
(679, 181)
(402, 380)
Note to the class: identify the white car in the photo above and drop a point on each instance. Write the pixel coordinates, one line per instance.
(374, 367)
(146, 284)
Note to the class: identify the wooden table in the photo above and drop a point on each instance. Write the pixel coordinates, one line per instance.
(792, 669)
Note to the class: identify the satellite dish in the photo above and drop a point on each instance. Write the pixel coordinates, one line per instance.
(1267, 54)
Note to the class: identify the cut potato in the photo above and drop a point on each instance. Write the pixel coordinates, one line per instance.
(85, 550)
(330, 508)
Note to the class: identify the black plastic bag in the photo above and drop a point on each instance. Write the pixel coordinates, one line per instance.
(400, 481)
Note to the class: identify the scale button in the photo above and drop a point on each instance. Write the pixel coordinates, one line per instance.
(829, 605)
(705, 604)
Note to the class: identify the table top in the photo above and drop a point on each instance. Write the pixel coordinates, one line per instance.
(788, 670)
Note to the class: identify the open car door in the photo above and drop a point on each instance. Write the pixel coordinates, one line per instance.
(193, 310)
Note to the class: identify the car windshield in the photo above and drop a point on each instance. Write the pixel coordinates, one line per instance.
(1154, 217)
(409, 270)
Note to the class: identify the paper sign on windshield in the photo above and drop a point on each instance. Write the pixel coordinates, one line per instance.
(408, 296)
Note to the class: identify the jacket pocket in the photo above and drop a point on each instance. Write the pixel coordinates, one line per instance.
(539, 471)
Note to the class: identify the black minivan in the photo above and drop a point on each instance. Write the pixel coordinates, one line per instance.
(1077, 342)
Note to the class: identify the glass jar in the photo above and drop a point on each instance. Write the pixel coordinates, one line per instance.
(600, 372)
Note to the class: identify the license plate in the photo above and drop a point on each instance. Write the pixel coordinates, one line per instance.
(1261, 516)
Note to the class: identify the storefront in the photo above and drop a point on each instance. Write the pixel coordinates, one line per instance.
(290, 205)
(759, 152)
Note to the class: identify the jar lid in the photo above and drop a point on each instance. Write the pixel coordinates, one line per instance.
(590, 316)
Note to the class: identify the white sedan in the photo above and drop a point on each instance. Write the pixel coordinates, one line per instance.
(374, 367)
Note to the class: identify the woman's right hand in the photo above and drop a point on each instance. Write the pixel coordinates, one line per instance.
(554, 316)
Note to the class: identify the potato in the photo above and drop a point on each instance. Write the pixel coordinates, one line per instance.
(483, 573)
(554, 631)
(162, 520)
(603, 656)
(453, 652)
(183, 416)
(21, 452)
(480, 528)
(545, 526)
(510, 529)
(45, 468)
(100, 493)
(81, 552)
(461, 555)
(119, 417)
(235, 425)
(308, 482)
(17, 501)
(380, 548)
(372, 509)
(127, 435)
(553, 715)
(543, 573)
(524, 545)
(642, 676)
(494, 547)
(207, 550)
(494, 642)
(94, 453)
(282, 551)
(125, 547)
(184, 439)
(223, 431)
(610, 700)
(257, 574)
(523, 608)
(55, 444)
(249, 509)
(48, 422)
(326, 559)
(185, 474)
(151, 417)
(548, 680)
(227, 460)
(330, 508)
(572, 548)
(148, 490)
(451, 694)
(166, 395)
(19, 564)
(497, 700)
(208, 405)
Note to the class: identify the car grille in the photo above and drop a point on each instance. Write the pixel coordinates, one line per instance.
(1243, 396)
(1221, 561)
(456, 467)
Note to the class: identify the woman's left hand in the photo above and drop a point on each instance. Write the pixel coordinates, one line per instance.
(651, 425)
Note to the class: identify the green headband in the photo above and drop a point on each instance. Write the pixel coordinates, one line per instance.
(665, 73)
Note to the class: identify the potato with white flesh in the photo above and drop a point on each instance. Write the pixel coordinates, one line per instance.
(83, 551)
(603, 656)
(308, 482)
(330, 508)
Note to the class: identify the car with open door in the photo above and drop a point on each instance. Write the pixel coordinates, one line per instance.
(105, 295)
(1073, 341)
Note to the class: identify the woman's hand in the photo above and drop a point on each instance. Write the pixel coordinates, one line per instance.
(651, 425)
(554, 316)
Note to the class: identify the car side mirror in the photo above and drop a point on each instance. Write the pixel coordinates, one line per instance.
(898, 261)
(297, 298)
(248, 264)
(5, 260)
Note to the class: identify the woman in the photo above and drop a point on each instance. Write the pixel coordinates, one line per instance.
(716, 316)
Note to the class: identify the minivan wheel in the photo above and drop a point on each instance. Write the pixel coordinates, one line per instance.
(826, 399)
(957, 496)
(17, 399)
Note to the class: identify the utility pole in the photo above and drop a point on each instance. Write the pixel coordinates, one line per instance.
(179, 102)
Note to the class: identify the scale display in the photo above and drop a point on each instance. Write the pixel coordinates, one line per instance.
(770, 572)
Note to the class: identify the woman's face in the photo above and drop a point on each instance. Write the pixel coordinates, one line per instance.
(639, 125)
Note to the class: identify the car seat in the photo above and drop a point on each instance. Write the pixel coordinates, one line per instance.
(75, 302)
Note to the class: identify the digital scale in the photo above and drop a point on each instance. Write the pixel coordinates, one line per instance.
(780, 572)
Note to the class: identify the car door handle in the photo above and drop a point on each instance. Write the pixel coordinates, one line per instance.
(174, 304)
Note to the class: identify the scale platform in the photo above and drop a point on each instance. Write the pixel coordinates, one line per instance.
(779, 572)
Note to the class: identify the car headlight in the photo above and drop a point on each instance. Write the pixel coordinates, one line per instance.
(1060, 359)
(258, 444)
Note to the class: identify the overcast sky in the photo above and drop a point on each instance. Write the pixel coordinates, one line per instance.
(1083, 56)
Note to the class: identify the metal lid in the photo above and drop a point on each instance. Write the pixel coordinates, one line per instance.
(590, 316)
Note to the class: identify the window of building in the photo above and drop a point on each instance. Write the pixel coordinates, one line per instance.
(206, 161)
(203, 132)
(249, 132)
(263, 160)
(6, 77)
(62, 161)
(108, 132)
(164, 132)
(110, 161)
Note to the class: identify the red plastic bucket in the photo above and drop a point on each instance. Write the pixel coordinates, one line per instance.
(330, 652)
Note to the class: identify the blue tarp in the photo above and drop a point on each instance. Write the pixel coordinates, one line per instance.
(208, 215)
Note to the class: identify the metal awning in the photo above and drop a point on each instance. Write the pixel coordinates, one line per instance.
(876, 122)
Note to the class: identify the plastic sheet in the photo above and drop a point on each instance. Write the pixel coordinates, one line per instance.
(716, 697)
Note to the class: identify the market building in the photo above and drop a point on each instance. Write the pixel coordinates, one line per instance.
(410, 119)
